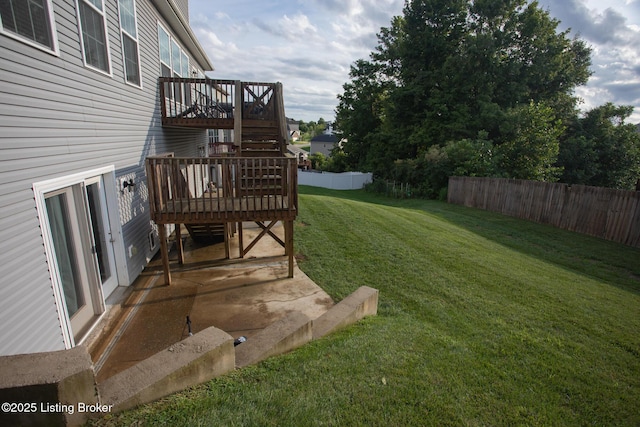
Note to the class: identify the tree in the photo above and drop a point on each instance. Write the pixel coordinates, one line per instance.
(311, 129)
(358, 115)
(532, 134)
(318, 161)
(601, 149)
(448, 70)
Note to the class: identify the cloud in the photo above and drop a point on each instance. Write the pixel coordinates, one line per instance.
(379, 11)
(210, 38)
(608, 28)
(293, 29)
(309, 45)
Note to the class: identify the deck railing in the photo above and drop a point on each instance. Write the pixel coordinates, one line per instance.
(187, 98)
(198, 100)
(223, 189)
(219, 149)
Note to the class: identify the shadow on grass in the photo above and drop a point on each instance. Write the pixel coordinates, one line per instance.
(578, 253)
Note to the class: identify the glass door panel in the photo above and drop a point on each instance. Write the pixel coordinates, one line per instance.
(68, 255)
(103, 243)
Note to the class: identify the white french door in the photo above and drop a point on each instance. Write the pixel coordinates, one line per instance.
(71, 266)
(101, 234)
(83, 244)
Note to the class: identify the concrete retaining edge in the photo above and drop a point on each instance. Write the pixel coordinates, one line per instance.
(67, 377)
(288, 333)
(52, 389)
(363, 302)
(194, 360)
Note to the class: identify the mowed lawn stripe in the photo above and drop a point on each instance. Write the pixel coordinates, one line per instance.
(483, 320)
(512, 305)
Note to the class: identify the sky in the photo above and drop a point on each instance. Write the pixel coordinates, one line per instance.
(309, 45)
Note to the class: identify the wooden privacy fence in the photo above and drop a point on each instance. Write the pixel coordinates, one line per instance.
(602, 212)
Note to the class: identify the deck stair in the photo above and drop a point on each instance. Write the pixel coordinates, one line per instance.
(254, 181)
(260, 177)
(206, 233)
(252, 148)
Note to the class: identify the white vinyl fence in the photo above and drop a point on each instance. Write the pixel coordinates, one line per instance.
(335, 181)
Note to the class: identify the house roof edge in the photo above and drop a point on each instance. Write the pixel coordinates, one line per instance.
(180, 24)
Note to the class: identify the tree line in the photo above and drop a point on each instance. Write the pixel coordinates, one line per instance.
(481, 88)
(311, 129)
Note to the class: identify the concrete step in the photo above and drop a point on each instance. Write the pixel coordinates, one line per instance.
(296, 329)
(194, 360)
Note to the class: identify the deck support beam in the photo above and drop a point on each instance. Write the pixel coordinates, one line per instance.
(179, 245)
(228, 226)
(287, 244)
(288, 237)
(240, 241)
(237, 116)
(162, 234)
(265, 229)
(227, 239)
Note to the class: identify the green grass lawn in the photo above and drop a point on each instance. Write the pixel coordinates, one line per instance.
(482, 320)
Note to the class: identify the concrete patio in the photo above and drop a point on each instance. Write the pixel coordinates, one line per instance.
(141, 350)
(238, 296)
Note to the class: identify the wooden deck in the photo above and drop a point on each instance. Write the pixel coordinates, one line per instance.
(224, 209)
(254, 111)
(231, 189)
(248, 179)
(223, 190)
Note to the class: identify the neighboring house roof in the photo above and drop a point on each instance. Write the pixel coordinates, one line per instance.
(293, 125)
(180, 24)
(325, 138)
(297, 151)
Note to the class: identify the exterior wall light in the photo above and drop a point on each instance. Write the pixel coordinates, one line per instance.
(130, 184)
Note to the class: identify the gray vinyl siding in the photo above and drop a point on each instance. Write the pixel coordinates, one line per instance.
(57, 118)
(183, 5)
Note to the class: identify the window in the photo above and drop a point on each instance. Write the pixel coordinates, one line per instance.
(30, 21)
(164, 42)
(175, 58)
(174, 61)
(129, 33)
(93, 30)
(184, 68)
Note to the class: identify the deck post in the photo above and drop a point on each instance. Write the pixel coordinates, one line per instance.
(179, 246)
(240, 240)
(283, 119)
(288, 238)
(227, 238)
(237, 116)
(162, 234)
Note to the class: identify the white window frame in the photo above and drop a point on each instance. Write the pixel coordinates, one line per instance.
(123, 32)
(175, 68)
(184, 68)
(168, 65)
(106, 36)
(40, 189)
(32, 43)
